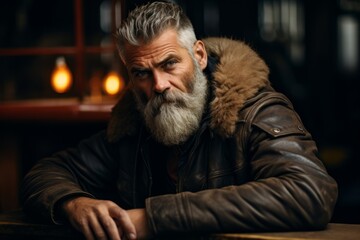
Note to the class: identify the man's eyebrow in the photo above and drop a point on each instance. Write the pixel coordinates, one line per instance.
(138, 69)
(162, 62)
(167, 58)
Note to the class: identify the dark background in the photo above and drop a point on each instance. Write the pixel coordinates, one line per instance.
(323, 90)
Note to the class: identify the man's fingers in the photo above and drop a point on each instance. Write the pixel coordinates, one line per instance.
(97, 229)
(110, 227)
(124, 222)
(98, 219)
(86, 230)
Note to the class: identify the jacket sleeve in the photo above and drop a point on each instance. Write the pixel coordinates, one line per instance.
(89, 168)
(289, 188)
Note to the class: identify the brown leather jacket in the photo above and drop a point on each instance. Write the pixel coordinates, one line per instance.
(252, 165)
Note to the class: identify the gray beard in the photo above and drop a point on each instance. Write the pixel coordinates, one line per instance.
(174, 116)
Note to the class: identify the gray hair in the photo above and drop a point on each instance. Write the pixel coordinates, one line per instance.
(148, 21)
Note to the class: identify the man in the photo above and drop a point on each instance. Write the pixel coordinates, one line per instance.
(199, 143)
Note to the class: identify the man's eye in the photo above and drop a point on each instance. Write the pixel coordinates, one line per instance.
(170, 64)
(140, 74)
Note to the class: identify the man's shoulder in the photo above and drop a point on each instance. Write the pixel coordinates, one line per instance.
(272, 112)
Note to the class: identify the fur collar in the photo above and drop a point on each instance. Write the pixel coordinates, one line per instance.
(239, 75)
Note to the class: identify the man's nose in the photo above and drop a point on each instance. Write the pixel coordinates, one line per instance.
(161, 82)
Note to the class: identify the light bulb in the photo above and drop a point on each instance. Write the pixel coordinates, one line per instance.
(113, 84)
(61, 77)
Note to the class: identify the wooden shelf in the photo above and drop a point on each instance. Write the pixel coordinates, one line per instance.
(55, 110)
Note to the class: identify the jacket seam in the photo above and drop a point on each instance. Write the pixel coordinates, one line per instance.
(220, 173)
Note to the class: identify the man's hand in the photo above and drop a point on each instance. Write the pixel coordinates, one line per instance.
(99, 219)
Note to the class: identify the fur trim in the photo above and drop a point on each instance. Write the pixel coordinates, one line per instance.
(125, 117)
(239, 75)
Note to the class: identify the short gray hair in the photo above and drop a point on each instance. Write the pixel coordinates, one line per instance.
(148, 21)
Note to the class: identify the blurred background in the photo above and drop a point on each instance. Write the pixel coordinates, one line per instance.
(60, 75)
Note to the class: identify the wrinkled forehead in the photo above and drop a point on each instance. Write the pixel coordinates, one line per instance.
(166, 43)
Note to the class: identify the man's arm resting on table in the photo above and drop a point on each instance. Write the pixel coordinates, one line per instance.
(100, 219)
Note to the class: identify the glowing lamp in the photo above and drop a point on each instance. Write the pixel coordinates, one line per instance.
(113, 84)
(61, 77)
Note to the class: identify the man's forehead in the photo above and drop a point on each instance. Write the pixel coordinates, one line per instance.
(159, 48)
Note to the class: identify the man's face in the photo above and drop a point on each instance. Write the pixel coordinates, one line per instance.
(160, 65)
(169, 86)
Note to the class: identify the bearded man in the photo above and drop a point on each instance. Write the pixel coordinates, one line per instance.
(199, 143)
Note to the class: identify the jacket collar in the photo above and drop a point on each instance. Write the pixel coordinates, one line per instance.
(239, 74)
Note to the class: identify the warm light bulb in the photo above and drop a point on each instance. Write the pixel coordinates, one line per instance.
(61, 78)
(113, 84)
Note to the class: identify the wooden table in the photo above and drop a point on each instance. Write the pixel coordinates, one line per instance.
(16, 225)
(334, 231)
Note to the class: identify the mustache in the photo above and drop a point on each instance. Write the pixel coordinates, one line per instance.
(173, 97)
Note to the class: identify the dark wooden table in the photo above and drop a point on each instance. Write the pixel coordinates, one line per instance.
(16, 225)
(334, 231)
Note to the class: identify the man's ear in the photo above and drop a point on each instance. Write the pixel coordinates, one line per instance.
(200, 54)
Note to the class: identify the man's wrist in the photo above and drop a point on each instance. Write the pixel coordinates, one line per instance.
(140, 219)
(63, 207)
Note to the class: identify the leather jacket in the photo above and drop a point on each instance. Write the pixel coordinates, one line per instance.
(251, 166)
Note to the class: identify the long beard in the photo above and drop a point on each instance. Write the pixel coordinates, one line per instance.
(174, 116)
